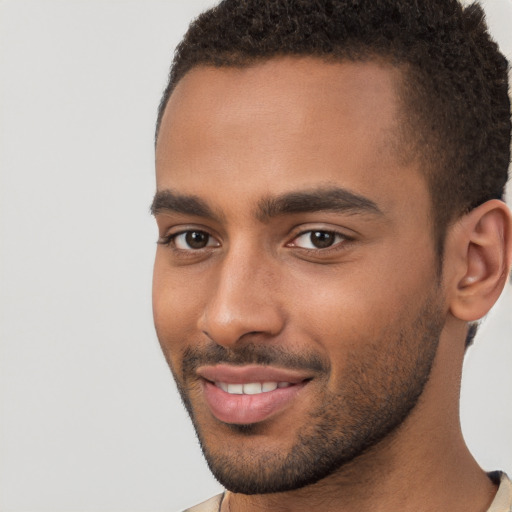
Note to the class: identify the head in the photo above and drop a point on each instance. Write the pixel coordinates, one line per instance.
(320, 167)
(454, 90)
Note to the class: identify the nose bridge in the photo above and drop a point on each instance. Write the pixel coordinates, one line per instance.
(244, 298)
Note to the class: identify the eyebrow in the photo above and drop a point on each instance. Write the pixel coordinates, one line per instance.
(166, 201)
(332, 199)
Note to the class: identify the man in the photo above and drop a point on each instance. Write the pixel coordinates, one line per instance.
(329, 184)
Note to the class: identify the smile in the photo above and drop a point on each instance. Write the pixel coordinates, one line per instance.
(251, 388)
(250, 394)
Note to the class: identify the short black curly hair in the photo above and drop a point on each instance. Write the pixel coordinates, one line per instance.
(455, 78)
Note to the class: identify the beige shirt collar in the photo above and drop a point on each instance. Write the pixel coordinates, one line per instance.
(503, 500)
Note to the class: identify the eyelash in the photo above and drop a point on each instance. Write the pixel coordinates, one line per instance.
(335, 246)
(169, 241)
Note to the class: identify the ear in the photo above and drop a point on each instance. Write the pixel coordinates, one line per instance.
(480, 254)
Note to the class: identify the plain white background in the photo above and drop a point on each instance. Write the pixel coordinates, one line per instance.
(90, 420)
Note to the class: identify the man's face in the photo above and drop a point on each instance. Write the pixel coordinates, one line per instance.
(295, 289)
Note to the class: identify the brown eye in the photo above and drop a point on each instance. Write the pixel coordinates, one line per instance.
(193, 240)
(322, 239)
(317, 239)
(196, 239)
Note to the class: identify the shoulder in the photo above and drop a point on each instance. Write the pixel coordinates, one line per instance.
(211, 505)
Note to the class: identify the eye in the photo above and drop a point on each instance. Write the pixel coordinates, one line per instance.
(193, 240)
(317, 239)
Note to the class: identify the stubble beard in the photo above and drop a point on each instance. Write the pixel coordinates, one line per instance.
(381, 385)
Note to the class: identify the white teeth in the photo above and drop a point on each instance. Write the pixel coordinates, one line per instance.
(236, 389)
(251, 388)
(268, 386)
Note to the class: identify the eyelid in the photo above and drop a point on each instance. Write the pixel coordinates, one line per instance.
(171, 235)
(341, 239)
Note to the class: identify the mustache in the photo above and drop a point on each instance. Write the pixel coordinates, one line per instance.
(250, 353)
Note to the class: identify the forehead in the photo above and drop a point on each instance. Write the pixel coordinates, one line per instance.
(281, 124)
(286, 81)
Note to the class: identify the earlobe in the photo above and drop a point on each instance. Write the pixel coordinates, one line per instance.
(481, 246)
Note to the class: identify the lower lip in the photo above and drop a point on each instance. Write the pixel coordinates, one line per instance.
(248, 409)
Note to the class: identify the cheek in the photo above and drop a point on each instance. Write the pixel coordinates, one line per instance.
(175, 307)
(358, 304)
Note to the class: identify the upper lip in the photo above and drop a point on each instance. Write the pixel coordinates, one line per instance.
(250, 373)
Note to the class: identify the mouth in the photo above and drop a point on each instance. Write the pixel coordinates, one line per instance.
(251, 388)
(245, 395)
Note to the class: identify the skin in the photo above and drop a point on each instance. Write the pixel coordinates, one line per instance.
(237, 138)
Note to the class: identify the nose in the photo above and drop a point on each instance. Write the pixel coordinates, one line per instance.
(243, 299)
